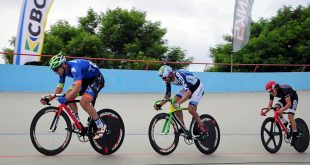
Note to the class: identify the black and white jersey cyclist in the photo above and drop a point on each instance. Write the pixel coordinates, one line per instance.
(192, 90)
(288, 102)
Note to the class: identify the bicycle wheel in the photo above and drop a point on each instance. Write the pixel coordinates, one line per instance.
(113, 138)
(302, 142)
(271, 135)
(209, 142)
(50, 142)
(163, 144)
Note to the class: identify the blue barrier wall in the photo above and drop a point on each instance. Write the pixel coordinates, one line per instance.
(23, 78)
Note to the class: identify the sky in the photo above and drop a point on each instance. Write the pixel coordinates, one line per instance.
(193, 25)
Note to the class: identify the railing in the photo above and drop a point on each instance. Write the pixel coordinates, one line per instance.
(147, 62)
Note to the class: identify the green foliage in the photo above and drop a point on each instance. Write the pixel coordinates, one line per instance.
(283, 39)
(8, 58)
(118, 34)
(128, 35)
(90, 22)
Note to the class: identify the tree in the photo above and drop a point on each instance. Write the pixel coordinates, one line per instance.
(118, 33)
(90, 22)
(128, 35)
(8, 58)
(283, 39)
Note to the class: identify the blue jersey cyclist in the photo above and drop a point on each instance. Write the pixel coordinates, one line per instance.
(88, 81)
(192, 89)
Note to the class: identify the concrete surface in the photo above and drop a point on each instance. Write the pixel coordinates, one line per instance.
(237, 115)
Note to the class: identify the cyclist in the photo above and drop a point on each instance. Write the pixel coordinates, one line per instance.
(88, 81)
(192, 89)
(288, 101)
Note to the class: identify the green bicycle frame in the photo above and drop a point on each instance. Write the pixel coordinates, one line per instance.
(166, 127)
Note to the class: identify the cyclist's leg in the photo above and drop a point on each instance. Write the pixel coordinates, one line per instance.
(291, 115)
(72, 106)
(88, 102)
(281, 103)
(193, 103)
(89, 96)
(192, 109)
(177, 97)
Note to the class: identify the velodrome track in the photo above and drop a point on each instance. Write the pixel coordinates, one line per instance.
(237, 115)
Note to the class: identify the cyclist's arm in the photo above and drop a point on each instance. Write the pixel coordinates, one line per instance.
(59, 87)
(288, 104)
(167, 94)
(77, 77)
(75, 91)
(269, 104)
(185, 97)
(58, 90)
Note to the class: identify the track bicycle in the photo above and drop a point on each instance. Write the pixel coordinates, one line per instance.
(271, 133)
(51, 129)
(166, 128)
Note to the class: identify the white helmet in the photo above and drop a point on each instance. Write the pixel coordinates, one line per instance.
(164, 71)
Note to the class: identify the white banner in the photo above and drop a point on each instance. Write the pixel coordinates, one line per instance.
(242, 23)
(30, 32)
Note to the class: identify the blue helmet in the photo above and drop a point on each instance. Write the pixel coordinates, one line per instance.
(164, 71)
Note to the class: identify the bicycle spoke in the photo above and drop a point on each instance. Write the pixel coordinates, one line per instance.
(271, 128)
(274, 141)
(269, 140)
(267, 131)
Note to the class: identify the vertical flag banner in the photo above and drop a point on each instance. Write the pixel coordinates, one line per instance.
(242, 23)
(30, 32)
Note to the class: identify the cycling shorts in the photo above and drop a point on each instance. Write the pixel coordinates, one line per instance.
(196, 95)
(92, 86)
(292, 109)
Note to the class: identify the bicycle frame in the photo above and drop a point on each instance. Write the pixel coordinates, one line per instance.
(62, 107)
(172, 110)
(277, 119)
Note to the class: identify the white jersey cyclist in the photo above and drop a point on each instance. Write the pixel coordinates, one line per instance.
(188, 81)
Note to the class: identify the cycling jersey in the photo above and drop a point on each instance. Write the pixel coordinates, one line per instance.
(185, 79)
(80, 69)
(188, 81)
(283, 92)
(87, 74)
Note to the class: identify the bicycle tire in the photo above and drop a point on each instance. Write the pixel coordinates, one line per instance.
(302, 142)
(209, 142)
(271, 132)
(38, 136)
(112, 140)
(154, 133)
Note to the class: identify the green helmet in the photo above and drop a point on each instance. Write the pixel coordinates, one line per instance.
(57, 60)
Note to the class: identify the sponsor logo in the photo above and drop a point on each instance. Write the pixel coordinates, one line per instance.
(73, 70)
(34, 27)
(241, 19)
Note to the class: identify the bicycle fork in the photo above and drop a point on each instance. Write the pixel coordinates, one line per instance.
(166, 127)
(55, 121)
(54, 124)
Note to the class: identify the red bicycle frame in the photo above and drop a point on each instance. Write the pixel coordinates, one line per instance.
(277, 119)
(62, 107)
(76, 122)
